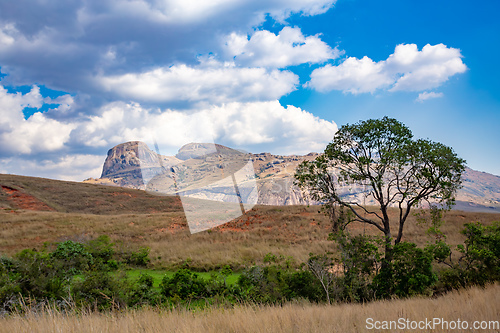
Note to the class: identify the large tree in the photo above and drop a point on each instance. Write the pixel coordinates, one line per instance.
(381, 157)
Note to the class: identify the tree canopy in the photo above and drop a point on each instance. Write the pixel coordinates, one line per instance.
(381, 158)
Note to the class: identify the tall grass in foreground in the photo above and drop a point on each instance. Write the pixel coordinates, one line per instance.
(470, 305)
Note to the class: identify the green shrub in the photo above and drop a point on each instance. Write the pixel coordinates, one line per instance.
(360, 258)
(142, 292)
(302, 284)
(9, 288)
(410, 273)
(479, 263)
(276, 284)
(481, 253)
(73, 257)
(184, 285)
(39, 275)
(138, 258)
(100, 290)
(102, 251)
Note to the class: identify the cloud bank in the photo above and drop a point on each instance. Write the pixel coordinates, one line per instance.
(290, 47)
(211, 81)
(254, 126)
(178, 71)
(407, 69)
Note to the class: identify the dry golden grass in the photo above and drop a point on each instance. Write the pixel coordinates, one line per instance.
(467, 305)
(135, 218)
(289, 231)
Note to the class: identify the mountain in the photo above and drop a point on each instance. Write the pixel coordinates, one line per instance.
(134, 165)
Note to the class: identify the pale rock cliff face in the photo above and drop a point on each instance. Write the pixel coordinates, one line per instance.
(128, 164)
(133, 165)
(121, 159)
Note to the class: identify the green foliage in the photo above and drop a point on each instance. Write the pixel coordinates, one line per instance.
(410, 273)
(77, 270)
(102, 251)
(480, 260)
(361, 259)
(381, 156)
(101, 290)
(320, 266)
(360, 254)
(39, 275)
(9, 289)
(142, 292)
(80, 272)
(277, 283)
(440, 251)
(481, 252)
(73, 256)
(138, 258)
(184, 285)
(269, 258)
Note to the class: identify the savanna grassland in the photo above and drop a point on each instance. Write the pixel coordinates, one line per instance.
(38, 213)
(292, 231)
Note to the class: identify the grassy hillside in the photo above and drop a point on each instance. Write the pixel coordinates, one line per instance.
(19, 192)
(133, 218)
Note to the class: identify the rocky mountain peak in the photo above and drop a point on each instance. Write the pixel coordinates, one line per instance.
(195, 150)
(121, 157)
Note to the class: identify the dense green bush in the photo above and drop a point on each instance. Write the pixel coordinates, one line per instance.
(100, 290)
(278, 282)
(184, 285)
(479, 263)
(82, 273)
(481, 253)
(9, 288)
(73, 257)
(103, 253)
(138, 258)
(79, 271)
(142, 292)
(410, 273)
(360, 260)
(40, 275)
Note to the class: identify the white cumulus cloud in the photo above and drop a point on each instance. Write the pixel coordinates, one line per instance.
(353, 76)
(428, 95)
(252, 126)
(407, 69)
(37, 133)
(210, 81)
(290, 47)
(40, 145)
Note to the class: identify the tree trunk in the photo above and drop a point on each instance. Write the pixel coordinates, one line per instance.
(388, 250)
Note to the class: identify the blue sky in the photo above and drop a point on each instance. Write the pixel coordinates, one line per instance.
(79, 77)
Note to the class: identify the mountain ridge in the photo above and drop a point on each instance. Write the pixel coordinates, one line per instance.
(273, 174)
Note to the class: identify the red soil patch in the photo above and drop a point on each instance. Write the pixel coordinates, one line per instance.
(173, 228)
(242, 224)
(23, 200)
